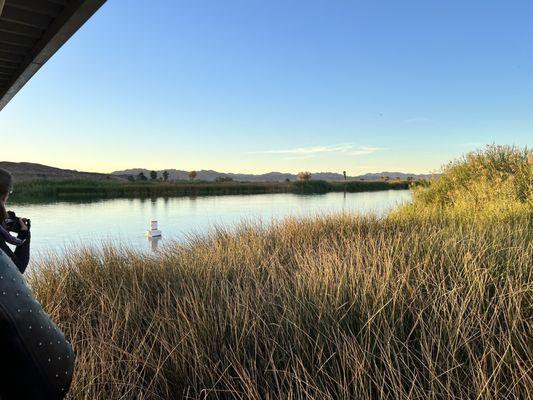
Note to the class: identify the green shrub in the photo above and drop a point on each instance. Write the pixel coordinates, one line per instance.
(493, 180)
(312, 186)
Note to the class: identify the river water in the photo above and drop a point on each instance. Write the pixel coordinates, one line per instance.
(58, 225)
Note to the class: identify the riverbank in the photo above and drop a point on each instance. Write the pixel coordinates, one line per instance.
(87, 189)
(431, 301)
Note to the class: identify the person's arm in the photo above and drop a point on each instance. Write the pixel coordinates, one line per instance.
(21, 256)
(5, 248)
(22, 252)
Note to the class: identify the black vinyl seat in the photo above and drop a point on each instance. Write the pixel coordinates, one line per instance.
(36, 360)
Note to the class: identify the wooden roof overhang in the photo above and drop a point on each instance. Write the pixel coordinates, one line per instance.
(31, 31)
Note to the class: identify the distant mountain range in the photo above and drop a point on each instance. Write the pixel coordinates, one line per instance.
(25, 171)
(210, 175)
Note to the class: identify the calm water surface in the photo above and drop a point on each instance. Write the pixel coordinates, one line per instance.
(58, 225)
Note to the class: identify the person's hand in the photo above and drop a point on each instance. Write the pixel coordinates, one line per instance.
(23, 224)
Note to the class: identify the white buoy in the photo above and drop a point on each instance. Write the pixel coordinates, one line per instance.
(154, 231)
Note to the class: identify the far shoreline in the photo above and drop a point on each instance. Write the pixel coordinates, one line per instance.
(48, 190)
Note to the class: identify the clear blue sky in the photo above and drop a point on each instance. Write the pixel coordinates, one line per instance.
(286, 85)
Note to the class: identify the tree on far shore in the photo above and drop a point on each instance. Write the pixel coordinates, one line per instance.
(192, 175)
(165, 176)
(304, 176)
(153, 175)
(141, 177)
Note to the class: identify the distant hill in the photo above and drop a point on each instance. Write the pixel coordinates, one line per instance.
(25, 171)
(393, 175)
(210, 175)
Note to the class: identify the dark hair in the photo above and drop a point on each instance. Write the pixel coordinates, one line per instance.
(6, 184)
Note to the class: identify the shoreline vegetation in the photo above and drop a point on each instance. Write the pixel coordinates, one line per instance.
(101, 189)
(432, 301)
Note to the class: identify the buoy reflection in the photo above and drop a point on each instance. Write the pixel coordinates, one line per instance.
(154, 243)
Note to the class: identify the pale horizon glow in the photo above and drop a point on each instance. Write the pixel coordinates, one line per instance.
(255, 87)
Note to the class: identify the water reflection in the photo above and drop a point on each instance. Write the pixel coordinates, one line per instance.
(123, 221)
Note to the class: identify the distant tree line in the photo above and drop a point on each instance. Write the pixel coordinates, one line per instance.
(303, 176)
(141, 177)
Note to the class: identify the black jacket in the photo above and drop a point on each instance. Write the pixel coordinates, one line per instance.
(21, 255)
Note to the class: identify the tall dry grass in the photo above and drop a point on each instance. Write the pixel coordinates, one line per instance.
(427, 303)
(334, 307)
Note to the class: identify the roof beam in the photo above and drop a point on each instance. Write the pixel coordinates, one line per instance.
(19, 29)
(24, 17)
(40, 7)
